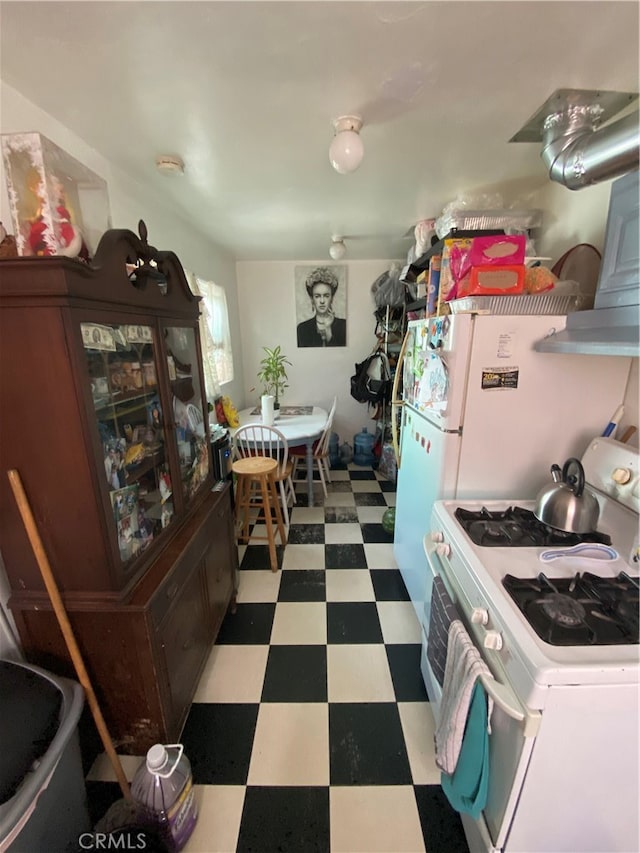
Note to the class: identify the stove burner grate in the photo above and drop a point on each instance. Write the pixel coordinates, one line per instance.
(579, 611)
(517, 527)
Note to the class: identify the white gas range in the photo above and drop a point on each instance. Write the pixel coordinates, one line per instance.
(561, 640)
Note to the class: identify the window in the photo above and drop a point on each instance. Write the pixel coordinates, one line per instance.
(215, 335)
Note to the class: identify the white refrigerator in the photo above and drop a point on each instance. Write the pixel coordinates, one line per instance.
(483, 415)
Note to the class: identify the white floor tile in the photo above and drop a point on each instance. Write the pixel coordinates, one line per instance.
(398, 621)
(308, 515)
(371, 514)
(349, 585)
(343, 534)
(418, 727)
(257, 586)
(365, 486)
(390, 498)
(303, 557)
(340, 499)
(374, 819)
(241, 552)
(219, 815)
(299, 623)
(380, 555)
(291, 744)
(233, 674)
(339, 475)
(358, 673)
(102, 769)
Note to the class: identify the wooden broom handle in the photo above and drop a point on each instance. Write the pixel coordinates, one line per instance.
(65, 626)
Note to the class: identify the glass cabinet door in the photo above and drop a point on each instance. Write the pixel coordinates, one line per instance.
(122, 364)
(183, 367)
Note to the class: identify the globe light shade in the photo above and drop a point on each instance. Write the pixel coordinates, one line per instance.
(346, 149)
(337, 250)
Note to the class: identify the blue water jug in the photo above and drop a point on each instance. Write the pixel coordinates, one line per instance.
(363, 448)
(334, 449)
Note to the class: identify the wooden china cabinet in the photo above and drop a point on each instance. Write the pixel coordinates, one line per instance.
(103, 414)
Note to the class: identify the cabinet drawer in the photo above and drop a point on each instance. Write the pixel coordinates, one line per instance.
(184, 639)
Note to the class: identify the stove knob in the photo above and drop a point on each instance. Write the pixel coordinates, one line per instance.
(479, 616)
(443, 550)
(621, 476)
(437, 536)
(493, 640)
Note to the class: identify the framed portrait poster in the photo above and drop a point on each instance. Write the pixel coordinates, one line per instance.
(321, 305)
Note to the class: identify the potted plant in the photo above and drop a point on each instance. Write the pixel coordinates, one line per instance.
(273, 373)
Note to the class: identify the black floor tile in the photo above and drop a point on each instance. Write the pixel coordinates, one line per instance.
(286, 820)
(340, 515)
(369, 499)
(306, 534)
(386, 486)
(353, 622)
(372, 532)
(366, 474)
(250, 625)
(345, 556)
(441, 825)
(257, 557)
(388, 585)
(404, 663)
(296, 674)
(302, 585)
(366, 745)
(218, 738)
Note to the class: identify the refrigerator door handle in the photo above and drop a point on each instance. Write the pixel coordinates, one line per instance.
(397, 404)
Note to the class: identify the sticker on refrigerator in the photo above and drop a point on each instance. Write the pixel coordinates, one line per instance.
(500, 378)
(506, 341)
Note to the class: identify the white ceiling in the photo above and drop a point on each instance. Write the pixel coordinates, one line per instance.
(245, 93)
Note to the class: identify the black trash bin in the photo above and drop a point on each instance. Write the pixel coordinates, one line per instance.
(43, 801)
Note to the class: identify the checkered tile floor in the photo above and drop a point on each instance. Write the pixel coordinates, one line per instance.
(311, 729)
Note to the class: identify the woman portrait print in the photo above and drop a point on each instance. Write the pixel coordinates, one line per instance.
(320, 299)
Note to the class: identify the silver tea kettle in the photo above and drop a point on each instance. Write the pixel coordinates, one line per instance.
(565, 504)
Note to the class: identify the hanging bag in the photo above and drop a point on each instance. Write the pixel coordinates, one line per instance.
(371, 383)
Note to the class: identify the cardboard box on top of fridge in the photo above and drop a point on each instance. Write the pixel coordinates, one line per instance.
(58, 205)
(433, 284)
(490, 251)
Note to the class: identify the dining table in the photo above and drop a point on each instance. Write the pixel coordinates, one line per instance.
(298, 424)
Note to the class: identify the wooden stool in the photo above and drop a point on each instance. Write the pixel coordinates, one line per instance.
(257, 489)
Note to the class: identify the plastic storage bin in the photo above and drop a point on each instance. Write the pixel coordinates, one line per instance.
(363, 448)
(44, 802)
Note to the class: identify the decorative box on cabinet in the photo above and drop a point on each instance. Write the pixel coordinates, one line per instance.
(101, 413)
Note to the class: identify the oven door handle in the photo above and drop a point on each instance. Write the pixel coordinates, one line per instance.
(502, 694)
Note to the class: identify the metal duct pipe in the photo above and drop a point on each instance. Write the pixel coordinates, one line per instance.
(577, 154)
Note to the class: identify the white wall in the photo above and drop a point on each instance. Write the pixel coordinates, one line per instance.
(267, 307)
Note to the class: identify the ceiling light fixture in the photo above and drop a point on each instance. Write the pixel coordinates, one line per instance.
(337, 249)
(346, 150)
(170, 164)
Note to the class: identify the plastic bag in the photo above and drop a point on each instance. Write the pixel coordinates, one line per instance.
(387, 289)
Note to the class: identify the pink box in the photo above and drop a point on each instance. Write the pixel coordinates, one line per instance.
(498, 251)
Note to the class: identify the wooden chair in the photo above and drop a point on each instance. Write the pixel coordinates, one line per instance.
(320, 452)
(261, 440)
(256, 490)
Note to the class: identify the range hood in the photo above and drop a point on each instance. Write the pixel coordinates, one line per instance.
(577, 153)
(613, 326)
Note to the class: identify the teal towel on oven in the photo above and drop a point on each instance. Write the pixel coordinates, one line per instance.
(466, 788)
